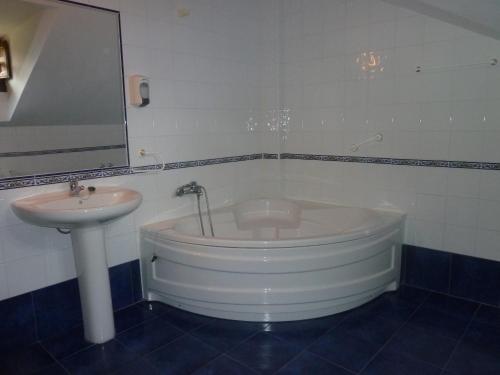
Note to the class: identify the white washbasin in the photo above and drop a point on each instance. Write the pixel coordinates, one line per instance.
(84, 215)
(60, 210)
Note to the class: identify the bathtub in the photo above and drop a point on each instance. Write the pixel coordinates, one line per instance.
(273, 260)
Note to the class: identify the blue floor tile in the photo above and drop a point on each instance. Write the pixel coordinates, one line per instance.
(308, 363)
(467, 360)
(149, 336)
(224, 365)
(157, 308)
(451, 305)
(17, 323)
(185, 320)
(439, 322)
(489, 315)
(485, 336)
(51, 370)
(410, 294)
(304, 332)
(478, 352)
(347, 351)
(374, 330)
(422, 345)
(136, 367)
(132, 316)
(67, 344)
(182, 356)
(57, 309)
(396, 364)
(264, 353)
(25, 361)
(388, 307)
(99, 359)
(226, 334)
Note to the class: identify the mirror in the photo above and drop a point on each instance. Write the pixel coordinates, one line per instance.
(62, 109)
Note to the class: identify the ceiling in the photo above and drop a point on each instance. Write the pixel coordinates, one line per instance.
(16, 12)
(480, 16)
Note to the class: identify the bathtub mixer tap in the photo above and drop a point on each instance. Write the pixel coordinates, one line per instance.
(194, 188)
(191, 188)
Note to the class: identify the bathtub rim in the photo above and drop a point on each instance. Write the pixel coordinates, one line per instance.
(163, 230)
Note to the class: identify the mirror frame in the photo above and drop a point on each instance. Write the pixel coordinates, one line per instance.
(64, 176)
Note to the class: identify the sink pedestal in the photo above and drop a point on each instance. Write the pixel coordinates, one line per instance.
(85, 214)
(93, 281)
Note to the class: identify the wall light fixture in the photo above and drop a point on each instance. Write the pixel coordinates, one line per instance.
(5, 64)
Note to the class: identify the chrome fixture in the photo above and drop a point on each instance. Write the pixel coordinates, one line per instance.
(492, 62)
(191, 188)
(194, 188)
(75, 188)
(379, 137)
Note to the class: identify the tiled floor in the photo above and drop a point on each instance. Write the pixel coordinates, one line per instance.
(403, 333)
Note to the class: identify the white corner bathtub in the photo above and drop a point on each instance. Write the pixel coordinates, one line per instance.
(273, 260)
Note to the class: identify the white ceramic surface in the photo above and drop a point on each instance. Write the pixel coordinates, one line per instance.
(60, 210)
(84, 215)
(320, 260)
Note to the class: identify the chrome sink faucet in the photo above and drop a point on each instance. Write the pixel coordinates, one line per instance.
(75, 188)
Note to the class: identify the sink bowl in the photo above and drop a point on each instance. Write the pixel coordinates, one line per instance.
(60, 210)
(84, 215)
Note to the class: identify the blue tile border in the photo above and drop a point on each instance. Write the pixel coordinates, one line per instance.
(389, 161)
(55, 310)
(455, 275)
(57, 178)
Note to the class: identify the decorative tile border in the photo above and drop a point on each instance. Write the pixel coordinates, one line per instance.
(271, 156)
(57, 178)
(61, 151)
(390, 161)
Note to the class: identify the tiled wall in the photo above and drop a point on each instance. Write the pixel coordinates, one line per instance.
(56, 309)
(211, 74)
(453, 274)
(446, 114)
(217, 77)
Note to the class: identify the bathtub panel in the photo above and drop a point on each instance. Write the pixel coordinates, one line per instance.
(271, 284)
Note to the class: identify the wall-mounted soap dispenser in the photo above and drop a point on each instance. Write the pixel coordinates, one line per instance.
(139, 90)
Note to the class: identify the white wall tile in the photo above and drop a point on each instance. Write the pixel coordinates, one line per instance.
(436, 114)
(460, 240)
(462, 211)
(488, 244)
(25, 275)
(60, 266)
(463, 182)
(4, 291)
(430, 207)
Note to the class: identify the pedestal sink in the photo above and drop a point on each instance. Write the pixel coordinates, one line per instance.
(84, 215)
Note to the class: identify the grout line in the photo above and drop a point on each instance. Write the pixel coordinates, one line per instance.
(459, 341)
(56, 361)
(35, 317)
(403, 324)
(452, 296)
(450, 272)
(305, 349)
